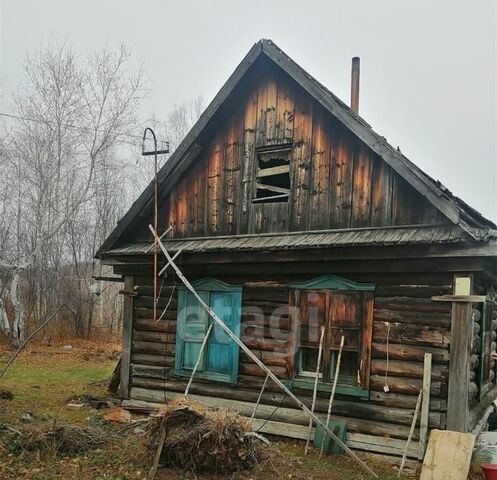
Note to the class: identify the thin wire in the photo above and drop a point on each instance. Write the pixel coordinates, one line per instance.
(274, 411)
(167, 335)
(156, 300)
(68, 125)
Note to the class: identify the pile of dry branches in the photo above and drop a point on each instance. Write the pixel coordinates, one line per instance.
(201, 439)
(65, 439)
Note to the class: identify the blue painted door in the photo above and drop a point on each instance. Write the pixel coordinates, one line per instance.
(220, 358)
(193, 322)
(222, 353)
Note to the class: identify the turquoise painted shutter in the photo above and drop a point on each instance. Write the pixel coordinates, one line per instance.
(192, 326)
(222, 353)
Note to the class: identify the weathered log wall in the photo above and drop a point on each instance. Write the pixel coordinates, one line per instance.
(403, 314)
(482, 389)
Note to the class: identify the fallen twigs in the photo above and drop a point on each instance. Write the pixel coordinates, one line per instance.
(64, 439)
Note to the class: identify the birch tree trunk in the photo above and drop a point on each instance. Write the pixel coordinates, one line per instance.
(4, 320)
(19, 324)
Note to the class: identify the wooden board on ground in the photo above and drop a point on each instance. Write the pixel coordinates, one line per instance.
(448, 455)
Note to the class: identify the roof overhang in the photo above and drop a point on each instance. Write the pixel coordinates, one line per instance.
(433, 241)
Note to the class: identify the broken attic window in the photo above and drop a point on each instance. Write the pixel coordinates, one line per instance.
(272, 182)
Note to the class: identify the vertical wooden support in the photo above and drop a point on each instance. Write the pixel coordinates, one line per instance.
(461, 337)
(411, 431)
(199, 359)
(127, 334)
(425, 407)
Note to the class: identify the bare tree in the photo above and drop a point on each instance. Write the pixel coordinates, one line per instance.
(75, 115)
(69, 171)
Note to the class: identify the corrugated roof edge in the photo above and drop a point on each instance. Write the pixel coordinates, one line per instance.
(402, 235)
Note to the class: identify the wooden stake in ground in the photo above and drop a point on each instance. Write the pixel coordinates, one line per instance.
(199, 359)
(411, 431)
(332, 396)
(160, 446)
(315, 391)
(257, 361)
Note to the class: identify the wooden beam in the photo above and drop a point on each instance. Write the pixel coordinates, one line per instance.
(100, 278)
(459, 298)
(266, 199)
(127, 334)
(261, 186)
(460, 352)
(266, 172)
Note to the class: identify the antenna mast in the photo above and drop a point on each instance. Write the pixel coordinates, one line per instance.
(155, 153)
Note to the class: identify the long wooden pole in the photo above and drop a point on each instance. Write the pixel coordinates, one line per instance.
(411, 431)
(160, 238)
(164, 268)
(156, 238)
(315, 390)
(41, 327)
(259, 399)
(199, 359)
(333, 389)
(258, 362)
(158, 452)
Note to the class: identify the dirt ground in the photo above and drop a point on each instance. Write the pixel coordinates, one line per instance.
(43, 380)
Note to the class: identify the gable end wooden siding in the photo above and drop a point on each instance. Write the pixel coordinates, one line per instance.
(336, 180)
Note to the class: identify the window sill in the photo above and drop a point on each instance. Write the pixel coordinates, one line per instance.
(308, 384)
(213, 376)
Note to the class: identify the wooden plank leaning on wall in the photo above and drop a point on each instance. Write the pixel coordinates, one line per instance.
(127, 334)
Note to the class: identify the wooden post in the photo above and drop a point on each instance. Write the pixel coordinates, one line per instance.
(127, 334)
(199, 359)
(333, 389)
(425, 406)
(411, 432)
(461, 336)
(259, 399)
(315, 391)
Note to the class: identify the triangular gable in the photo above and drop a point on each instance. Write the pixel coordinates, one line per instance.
(332, 282)
(209, 283)
(451, 207)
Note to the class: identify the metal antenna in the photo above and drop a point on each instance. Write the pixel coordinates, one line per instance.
(155, 152)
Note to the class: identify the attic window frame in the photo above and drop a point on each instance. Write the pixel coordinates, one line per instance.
(280, 196)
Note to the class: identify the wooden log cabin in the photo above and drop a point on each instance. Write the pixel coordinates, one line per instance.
(292, 214)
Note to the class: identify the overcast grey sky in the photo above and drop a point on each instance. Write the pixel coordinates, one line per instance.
(428, 68)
